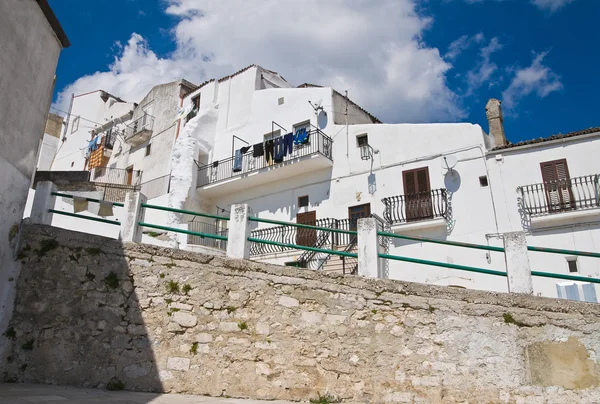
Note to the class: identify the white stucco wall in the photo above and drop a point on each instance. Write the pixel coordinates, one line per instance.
(30, 51)
(47, 152)
(88, 112)
(511, 168)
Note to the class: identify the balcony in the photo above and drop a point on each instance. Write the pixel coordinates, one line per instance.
(416, 211)
(140, 130)
(562, 200)
(219, 177)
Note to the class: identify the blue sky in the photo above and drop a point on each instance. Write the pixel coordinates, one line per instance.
(403, 60)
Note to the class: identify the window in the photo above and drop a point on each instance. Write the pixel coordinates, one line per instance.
(272, 135)
(483, 181)
(148, 149)
(280, 101)
(362, 140)
(557, 185)
(196, 102)
(303, 201)
(72, 163)
(358, 212)
(572, 263)
(417, 194)
(75, 126)
(302, 125)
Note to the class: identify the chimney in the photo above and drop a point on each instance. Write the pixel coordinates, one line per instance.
(493, 113)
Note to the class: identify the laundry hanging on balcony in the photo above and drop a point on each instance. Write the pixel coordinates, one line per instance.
(237, 161)
(258, 150)
(301, 136)
(279, 150)
(269, 151)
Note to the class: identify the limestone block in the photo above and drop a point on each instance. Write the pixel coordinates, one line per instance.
(287, 301)
(184, 319)
(181, 364)
(203, 338)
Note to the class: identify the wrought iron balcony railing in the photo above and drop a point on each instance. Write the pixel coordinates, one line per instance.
(416, 207)
(221, 170)
(561, 196)
(143, 124)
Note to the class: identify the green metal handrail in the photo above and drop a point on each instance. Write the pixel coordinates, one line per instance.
(565, 252)
(301, 226)
(301, 247)
(443, 265)
(173, 229)
(567, 277)
(87, 199)
(186, 212)
(435, 241)
(95, 219)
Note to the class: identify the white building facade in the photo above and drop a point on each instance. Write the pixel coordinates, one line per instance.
(309, 155)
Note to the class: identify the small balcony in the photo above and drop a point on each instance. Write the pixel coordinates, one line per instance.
(563, 199)
(115, 176)
(140, 130)
(224, 176)
(416, 211)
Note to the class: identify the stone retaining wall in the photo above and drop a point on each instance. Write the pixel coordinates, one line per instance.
(92, 312)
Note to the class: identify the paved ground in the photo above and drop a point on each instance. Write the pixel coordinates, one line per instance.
(35, 393)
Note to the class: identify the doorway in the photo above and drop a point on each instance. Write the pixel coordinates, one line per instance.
(417, 193)
(306, 237)
(358, 212)
(129, 171)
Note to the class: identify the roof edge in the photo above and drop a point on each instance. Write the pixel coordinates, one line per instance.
(54, 23)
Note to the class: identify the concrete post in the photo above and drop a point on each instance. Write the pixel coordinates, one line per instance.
(42, 201)
(239, 230)
(134, 213)
(517, 263)
(368, 248)
(182, 238)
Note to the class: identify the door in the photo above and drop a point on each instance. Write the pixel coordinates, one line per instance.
(358, 212)
(129, 175)
(557, 185)
(417, 194)
(306, 237)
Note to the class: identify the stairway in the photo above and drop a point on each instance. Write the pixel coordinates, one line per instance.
(335, 263)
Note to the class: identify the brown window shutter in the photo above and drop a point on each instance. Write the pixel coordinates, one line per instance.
(423, 180)
(410, 185)
(555, 175)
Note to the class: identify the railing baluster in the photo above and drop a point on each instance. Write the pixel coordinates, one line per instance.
(561, 195)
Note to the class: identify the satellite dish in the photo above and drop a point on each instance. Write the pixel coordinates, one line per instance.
(322, 119)
(449, 162)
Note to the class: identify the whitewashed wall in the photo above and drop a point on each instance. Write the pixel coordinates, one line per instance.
(511, 168)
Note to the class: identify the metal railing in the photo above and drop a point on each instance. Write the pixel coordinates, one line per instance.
(560, 196)
(118, 176)
(156, 187)
(110, 138)
(327, 234)
(317, 143)
(207, 228)
(416, 207)
(144, 123)
(78, 216)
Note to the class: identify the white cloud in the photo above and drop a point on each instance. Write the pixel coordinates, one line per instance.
(462, 44)
(535, 79)
(372, 49)
(551, 5)
(484, 69)
(544, 5)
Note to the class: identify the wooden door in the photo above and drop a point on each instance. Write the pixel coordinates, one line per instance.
(129, 175)
(557, 185)
(306, 237)
(417, 194)
(358, 212)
